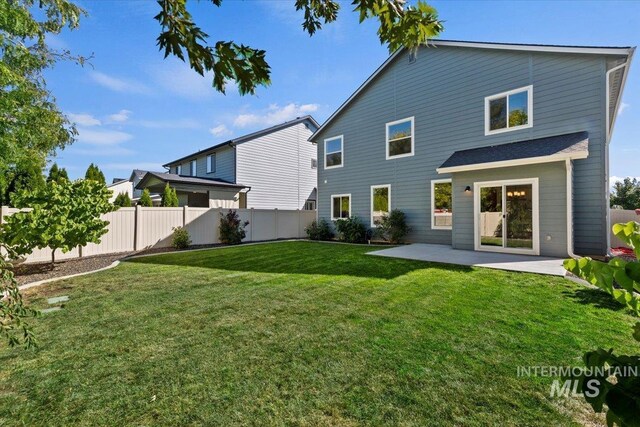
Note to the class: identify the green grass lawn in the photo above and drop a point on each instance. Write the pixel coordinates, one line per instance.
(302, 333)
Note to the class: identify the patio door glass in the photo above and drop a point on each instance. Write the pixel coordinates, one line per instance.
(506, 217)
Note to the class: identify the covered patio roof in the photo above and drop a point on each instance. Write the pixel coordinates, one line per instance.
(532, 151)
(155, 182)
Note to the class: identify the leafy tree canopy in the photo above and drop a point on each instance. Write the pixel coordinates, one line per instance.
(399, 26)
(626, 194)
(57, 174)
(169, 197)
(60, 216)
(24, 177)
(95, 174)
(122, 200)
(31, 125)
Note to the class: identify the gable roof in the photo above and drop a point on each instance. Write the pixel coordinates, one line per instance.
(593, 50)
(309, 119)
(541, 150)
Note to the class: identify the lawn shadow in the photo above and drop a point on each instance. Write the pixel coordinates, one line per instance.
(298, 258)
(595, 297)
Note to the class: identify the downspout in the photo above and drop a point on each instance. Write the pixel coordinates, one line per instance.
(608, 132)
(569, 168)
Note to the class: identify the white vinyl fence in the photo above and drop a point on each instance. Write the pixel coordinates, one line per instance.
(618, 216)
(134, 229)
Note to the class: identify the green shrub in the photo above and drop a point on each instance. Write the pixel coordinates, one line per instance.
(232, 228)
(319, 230)
(351, 230)
(180, 238)
(122, 200)
(393, 228)
(145, 199)
(619, 278)
(169, 197)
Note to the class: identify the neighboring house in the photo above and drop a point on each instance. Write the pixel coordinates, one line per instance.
(485, 146)
(268, 169)
(118, 186)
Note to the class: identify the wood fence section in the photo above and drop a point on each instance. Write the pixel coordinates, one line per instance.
(618, 216)
(133, 229)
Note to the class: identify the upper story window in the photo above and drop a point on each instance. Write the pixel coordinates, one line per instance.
(508, 111)
(340, 206)
(211, 163)
(333, 157)
(179, 169)
(441, 204)
(400, 138)
(193, 167)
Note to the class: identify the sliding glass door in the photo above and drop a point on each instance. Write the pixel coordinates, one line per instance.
(507, 216)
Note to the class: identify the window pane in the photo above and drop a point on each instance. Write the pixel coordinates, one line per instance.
(442, 205)
(498, 113)
(334, 159)
(336, 207)
(400, 146)
(345, 208)
(491, 216)
(334, 145)
(518, 109)
(400, 130)
(380, 204)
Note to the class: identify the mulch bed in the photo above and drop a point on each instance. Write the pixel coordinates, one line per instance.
(27, 273)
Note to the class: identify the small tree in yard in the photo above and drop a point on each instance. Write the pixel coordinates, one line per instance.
(169, 197)
(94, 173)
(59, 216)
(621, 279)
(232, 228)
(122, 200)
(180, 238)
(145, 199)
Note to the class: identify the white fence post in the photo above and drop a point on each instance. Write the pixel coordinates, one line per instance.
(299, 221)
(2, 208)
(184, 215)
(252, 225)
(136, 229)
(276, 221)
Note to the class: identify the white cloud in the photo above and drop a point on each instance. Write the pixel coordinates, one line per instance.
(623, 107)
(102, 138)
(119, 84)
(274, 115)
(84, 119)
(170, 124)
(220, 131)
(103, 151)
(120, 117)
(177, 78)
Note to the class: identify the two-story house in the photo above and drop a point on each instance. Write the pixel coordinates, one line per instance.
(268, 169)
(484, 146)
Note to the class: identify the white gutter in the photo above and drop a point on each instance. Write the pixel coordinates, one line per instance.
(569, 169)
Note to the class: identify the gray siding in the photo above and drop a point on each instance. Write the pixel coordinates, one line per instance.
(444, 90)
(277, 166)
(225, 165)
(552, 189)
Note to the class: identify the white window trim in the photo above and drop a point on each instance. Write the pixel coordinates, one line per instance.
(211, 158)
(341, 151)
(373, 187)
(193, 167)
(179, 170)
(433, 203)
(487, 99)
(413, 138)
(333, 196)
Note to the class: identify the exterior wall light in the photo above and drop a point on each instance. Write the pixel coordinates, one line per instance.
(467, 190)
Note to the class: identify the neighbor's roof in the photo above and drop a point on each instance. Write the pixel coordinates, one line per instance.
(173, 178)
(540, 150)
(594, 50)
(253, 135)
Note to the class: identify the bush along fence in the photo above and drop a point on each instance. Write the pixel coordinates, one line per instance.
(135, 229)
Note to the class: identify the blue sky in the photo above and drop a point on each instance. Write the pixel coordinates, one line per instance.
(134, 109)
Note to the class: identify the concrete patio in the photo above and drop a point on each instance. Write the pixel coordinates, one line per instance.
(446, 254)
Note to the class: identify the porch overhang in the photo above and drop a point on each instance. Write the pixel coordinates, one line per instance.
(156, 181)
(558, 148)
